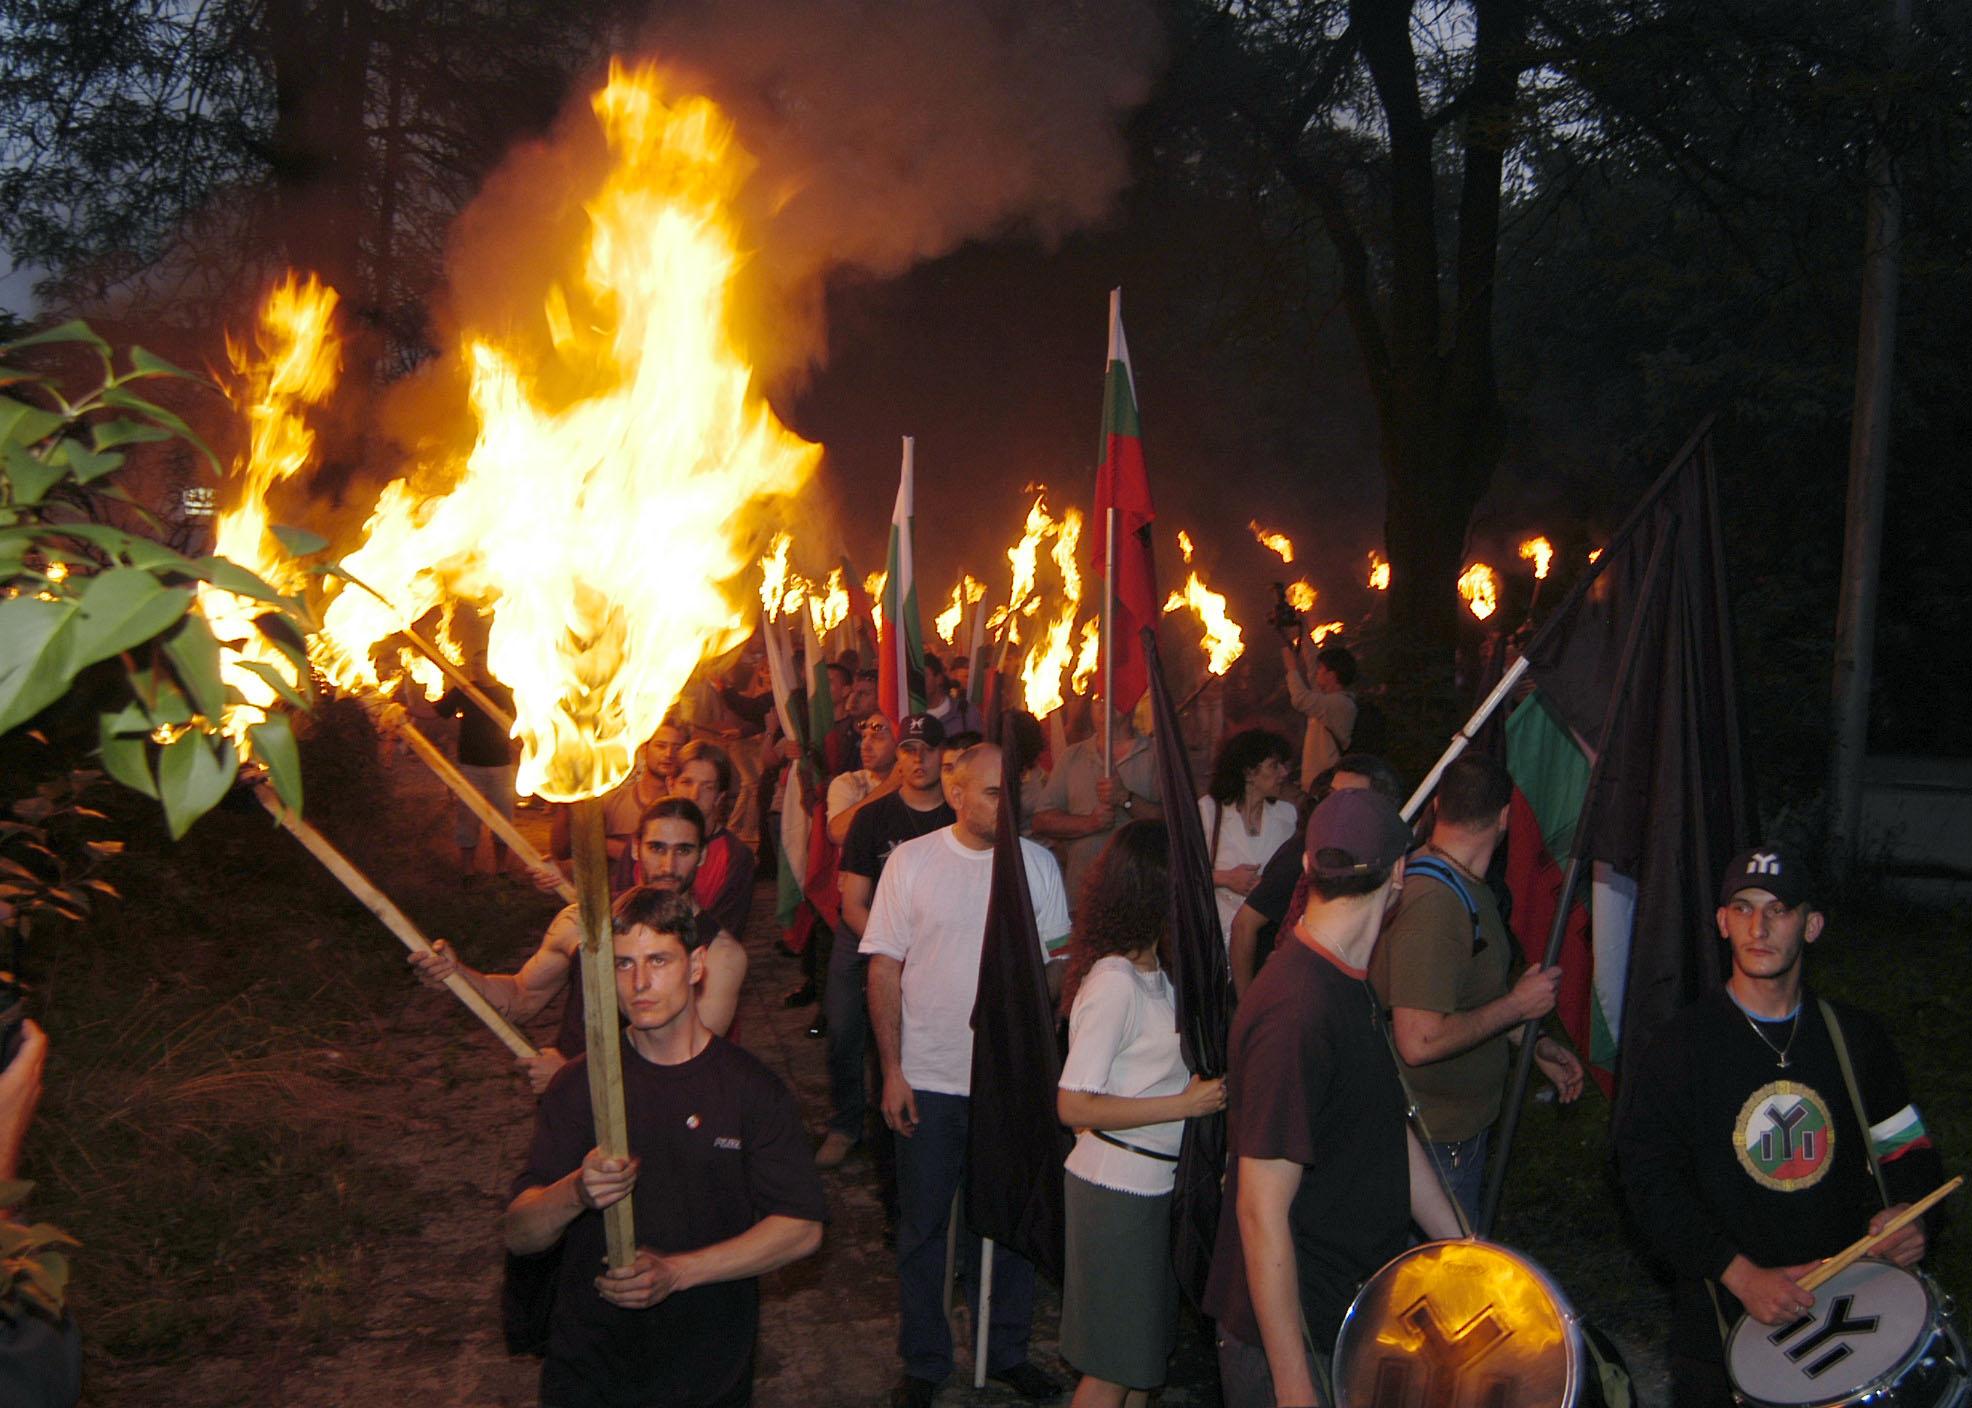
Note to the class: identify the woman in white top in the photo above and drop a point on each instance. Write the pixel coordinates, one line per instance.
(1126, 1093)
(1245, 820)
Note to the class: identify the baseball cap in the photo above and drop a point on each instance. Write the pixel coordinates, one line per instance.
(1776, 869)
(1355, 832)
(922, 728)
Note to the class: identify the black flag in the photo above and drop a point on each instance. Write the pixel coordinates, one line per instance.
(1671, 803)
(1016, 1144)
(1201, 984)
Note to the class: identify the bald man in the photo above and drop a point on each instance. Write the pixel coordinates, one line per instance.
(926, 927)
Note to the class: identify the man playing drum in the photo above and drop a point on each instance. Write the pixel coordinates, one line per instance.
(1743, 1154)
(1324, 1177)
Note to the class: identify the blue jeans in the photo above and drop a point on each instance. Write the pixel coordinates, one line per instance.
(1464, 1165)
(843, 1001)
(930, 1168)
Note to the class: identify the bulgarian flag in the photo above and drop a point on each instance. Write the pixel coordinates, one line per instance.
(1550, 778)
(900, 651)
(821, 708)
(1122, 484)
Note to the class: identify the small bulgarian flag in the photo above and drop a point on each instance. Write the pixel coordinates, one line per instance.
(1898, 1135)
(900, 651)
(1122, 484)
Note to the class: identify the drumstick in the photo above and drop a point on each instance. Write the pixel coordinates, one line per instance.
(1863, 1246)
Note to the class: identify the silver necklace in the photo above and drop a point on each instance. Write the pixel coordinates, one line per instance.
(1780, 1052)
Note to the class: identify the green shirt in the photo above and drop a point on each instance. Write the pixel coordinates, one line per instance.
(1424, 960)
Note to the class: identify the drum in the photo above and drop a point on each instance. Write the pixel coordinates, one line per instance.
(1877, 1334)
(1463, 1324)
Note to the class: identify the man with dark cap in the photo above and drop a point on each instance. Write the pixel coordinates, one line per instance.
(1766, 1129)
(917, 807)
(1323, 1177)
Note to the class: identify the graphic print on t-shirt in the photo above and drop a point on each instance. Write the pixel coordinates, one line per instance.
(1785, 1136)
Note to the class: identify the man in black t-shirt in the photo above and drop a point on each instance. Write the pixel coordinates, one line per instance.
(917, 808)
(1323, 1177)
(1277, 899)
(1742, 1154)
(732, 1196)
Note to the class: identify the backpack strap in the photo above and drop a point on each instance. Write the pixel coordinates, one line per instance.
(1855, 1094)
(1438, 870)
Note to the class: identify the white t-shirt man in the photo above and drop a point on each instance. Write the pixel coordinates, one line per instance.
(929, 913)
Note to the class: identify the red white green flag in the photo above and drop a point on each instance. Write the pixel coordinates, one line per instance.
(900, 652)
(1123, 484)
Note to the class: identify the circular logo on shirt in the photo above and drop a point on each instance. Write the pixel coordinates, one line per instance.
(1785, 1136)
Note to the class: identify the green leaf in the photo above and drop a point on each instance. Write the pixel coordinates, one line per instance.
(147, 363)
(236, 579)
(22, 424)
(110, 540)
(31, 477)
(192, 775)
(73, 331)
(151, 555)
(108, 434)
(127, 758)
(278, 682)
(285, 637)
(88, 464)
(128, 400)
(121, 609)
(158, 694)
(194, 654)
(130, 719)
(273, 743)
(299, 542)
(35, 641)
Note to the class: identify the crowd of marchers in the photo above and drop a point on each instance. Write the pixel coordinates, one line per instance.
(1378, 997)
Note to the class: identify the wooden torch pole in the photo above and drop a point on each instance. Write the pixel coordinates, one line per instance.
(605, 1056)
(480, 807)
(394, 919)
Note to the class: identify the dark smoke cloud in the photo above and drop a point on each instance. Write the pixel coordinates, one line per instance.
(892, 131)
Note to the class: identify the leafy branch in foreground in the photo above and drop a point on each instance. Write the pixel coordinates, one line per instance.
(76, 591)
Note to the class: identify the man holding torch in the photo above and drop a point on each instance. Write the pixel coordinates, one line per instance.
(740, 1193)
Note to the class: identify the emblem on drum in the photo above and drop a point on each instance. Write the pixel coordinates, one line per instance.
(1443, 1360)
(1785, 1136)
(1821, 1351)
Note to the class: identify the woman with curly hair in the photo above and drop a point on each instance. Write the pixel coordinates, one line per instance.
(1245, 820)
(1126, 1093)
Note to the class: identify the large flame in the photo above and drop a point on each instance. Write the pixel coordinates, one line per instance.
(1301, 595)
(1540, 552)
(1318, 634)
(291, 364)
(1025, 557)
(1223, 641)
(1279, 542)
(1379, 572)
(607, 524)
(1480, 586)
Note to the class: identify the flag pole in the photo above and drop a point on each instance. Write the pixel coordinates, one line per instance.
(1464, 736)
(1523, 1069)
(1109, 627)
(985, 1312)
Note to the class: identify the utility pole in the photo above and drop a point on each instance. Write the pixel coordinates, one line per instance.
(1869, 454)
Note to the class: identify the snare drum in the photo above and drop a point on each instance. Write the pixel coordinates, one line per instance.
(1464, 1324)
(1877, 1334)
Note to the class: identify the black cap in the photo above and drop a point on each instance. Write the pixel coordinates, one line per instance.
(1776, 869)
(1355, 832)
(922, 728)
